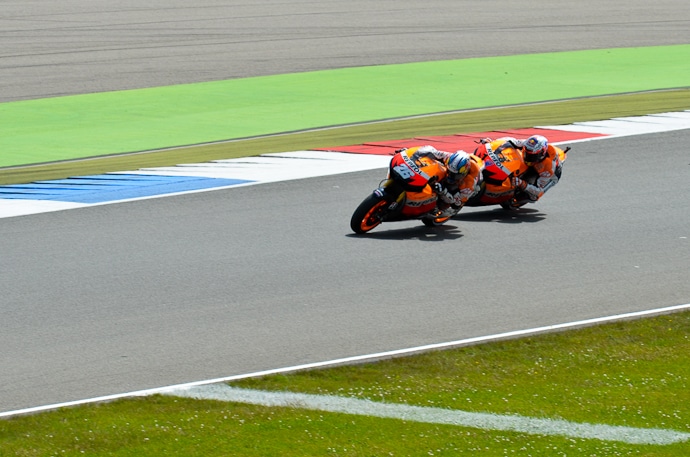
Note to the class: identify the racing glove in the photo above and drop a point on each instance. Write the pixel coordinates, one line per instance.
(444, 194)
(517, 144)
(519, 184)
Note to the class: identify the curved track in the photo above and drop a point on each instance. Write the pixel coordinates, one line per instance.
(157, 292)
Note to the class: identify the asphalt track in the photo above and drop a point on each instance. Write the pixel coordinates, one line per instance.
(75, 46)
(144, 294)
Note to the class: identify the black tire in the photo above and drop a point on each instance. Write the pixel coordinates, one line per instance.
(369, 214)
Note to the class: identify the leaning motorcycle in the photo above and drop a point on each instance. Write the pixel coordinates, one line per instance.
(502, 164)
(406, 194)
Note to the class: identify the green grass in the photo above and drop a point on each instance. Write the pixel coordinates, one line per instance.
(634, 373)
(563, 112)
(629, 373)
(98, 124)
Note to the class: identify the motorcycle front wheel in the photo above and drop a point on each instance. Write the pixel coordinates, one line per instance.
(369, 214)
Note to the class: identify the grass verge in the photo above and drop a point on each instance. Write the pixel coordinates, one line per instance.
(561, 112)
(634, 373)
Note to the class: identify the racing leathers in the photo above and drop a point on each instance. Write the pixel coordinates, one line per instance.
(453, 191)
(547, 171)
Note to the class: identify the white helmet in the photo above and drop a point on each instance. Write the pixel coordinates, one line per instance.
(459, 163)
(535, 149)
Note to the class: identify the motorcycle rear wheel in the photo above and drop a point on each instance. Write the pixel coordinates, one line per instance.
(369, 214)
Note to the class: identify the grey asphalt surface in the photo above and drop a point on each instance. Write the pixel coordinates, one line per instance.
(75, 46)
(117, 298)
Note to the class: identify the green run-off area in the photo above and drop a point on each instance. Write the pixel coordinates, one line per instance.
(90, 125)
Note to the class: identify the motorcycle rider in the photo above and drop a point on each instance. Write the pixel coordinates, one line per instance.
(542, 160)
(462, 182)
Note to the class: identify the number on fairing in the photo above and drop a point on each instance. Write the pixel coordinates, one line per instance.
(404, 171)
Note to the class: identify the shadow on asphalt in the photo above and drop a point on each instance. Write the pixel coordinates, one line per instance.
(422, 233)
(449, 231)
(520, 216)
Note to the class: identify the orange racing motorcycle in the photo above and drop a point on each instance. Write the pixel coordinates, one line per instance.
(501, 166)
(406, 194)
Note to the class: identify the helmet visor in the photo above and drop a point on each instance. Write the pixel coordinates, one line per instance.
(461, 173)
(532, 157)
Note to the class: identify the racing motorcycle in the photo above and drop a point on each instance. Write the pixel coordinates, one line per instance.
(501, 166)
(407, 193)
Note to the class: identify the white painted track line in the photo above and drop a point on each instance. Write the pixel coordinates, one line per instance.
(484, 421)
(359, 358)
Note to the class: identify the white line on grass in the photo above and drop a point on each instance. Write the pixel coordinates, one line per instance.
(485, 421)
(359, 358)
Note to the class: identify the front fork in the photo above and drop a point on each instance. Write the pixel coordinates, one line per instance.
(395, 197)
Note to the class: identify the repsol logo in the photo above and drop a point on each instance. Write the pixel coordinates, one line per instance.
(492, 155)
(411, 164)
(495, 194)
(496, 159)
(413, 203)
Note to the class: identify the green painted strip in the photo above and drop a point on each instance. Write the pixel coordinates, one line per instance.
(90, 125)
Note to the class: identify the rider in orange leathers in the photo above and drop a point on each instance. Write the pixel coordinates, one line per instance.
(463, 180)
(542, 160)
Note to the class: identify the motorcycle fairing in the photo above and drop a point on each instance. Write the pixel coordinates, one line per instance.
(419, 203)
(409, 172)
(500, 164)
